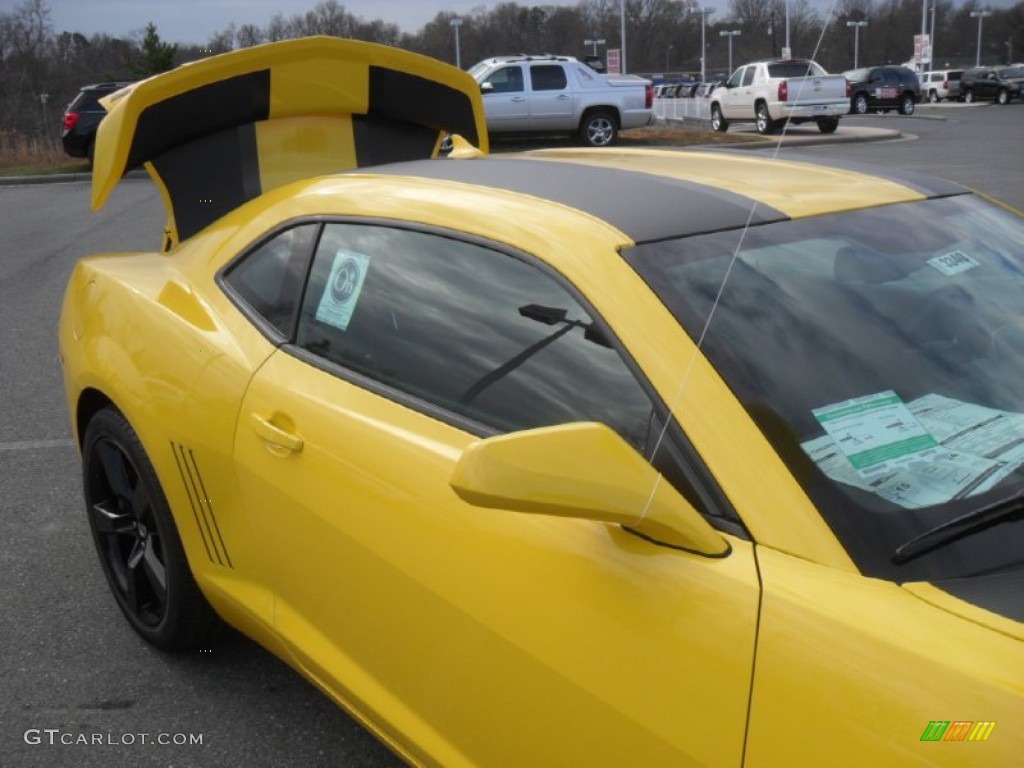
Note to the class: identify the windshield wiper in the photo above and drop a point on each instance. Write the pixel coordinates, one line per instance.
(1002, 511)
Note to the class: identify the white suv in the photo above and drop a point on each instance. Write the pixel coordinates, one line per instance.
(941, 84)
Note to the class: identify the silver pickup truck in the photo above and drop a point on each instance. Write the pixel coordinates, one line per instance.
(769, 93)
(559, 94)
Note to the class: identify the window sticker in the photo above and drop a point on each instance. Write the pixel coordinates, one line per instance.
(977, 448)
(953, 263)
(341, 294)
(874, 432)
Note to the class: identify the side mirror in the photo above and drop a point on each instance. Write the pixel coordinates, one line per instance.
(584, 471)
(486, 87)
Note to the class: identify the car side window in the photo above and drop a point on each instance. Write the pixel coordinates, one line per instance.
(548, 77)
(737, 78)
(748, 75)
(505, 80)
(468, 330)
(269, 278)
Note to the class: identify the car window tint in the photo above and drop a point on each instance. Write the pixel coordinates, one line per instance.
(269, 278)
(471, 330)
(548, 77)
(506, 80)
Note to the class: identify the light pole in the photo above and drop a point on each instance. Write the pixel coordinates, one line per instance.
(979, 15)
(856, 38)
(595, 42)
(931, 41)
(704, 13)
(789, 51)
(456, 23)
(730, 33)
(622, 24)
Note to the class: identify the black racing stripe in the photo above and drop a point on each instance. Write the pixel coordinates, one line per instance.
(645, 206)
(210, 177)
(1001, 592)
(381, 140)
(402, 96)
(201, 111)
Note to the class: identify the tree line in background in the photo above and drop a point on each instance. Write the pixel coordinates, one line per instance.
(42, 69)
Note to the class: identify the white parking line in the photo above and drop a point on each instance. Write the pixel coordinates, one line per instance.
(36, 445)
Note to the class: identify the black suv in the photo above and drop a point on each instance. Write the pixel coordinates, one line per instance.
(1000, 84)
(82, 118)
(879, 89)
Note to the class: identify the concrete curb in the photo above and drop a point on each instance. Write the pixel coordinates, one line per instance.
(852, 136)
(803, 135)
(60, 178)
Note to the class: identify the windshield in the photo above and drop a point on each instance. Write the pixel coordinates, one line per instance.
(882, 353)
(479, 68)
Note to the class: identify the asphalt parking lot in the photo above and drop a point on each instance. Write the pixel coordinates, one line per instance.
(72, 668)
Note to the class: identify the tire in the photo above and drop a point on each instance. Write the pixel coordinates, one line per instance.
(136, 539)
(599, 129)
(765, 124)
(859, 105)
(907, 104)
(933, 97)
(969, 96)
(1003, 97)
(718, 123)
(828, 124)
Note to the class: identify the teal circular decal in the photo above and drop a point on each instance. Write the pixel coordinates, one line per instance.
(346, 279)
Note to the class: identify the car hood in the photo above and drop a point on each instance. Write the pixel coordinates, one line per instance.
(994, 600)
(223, 130)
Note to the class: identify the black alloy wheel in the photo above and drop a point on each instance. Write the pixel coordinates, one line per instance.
(137, 542)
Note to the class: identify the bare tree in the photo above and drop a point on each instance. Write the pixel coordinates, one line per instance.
(250, 35)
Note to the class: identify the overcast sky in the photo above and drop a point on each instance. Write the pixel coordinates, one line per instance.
(195, 21)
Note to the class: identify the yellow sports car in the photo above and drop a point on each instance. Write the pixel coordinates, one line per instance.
(563, 458)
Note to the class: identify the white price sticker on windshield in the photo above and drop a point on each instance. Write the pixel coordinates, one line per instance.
(953, 263)
(874, 432)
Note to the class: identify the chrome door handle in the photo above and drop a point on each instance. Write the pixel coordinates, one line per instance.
(277, 437)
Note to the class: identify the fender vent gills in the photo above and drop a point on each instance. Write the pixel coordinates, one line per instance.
(202, 506)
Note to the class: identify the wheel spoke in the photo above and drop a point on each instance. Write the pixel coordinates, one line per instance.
(136, 555)
(156, 574)
(108, 520)
(115, 467)
(139, 501)
(131, 591)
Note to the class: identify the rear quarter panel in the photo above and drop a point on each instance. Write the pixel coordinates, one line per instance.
(153, 335)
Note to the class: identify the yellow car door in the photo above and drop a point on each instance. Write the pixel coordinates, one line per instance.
(465, 634)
